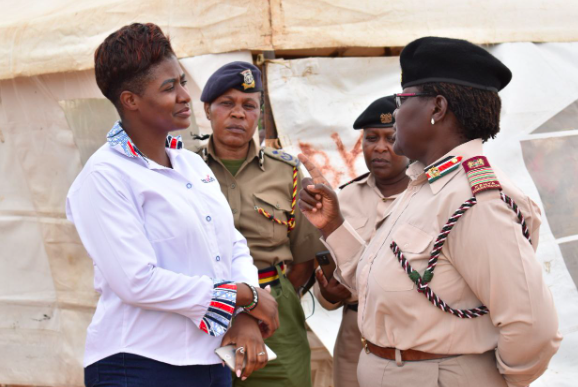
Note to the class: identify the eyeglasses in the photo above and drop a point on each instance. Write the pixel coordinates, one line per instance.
(399, 97)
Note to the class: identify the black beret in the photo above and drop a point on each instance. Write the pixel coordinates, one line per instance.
(242, 76)
(433, 59)
(377, 115)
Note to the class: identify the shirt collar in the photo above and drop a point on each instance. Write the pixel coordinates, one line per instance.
(119, 140)
(417, 171)
(251, 154)
(370, 181)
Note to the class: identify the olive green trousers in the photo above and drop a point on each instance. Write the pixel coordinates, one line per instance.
(292, 368)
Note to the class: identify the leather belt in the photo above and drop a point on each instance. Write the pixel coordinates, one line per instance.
(406, 355)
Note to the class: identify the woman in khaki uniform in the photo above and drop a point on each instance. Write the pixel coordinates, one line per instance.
(260, 186)
(450, 290)
(365, 202)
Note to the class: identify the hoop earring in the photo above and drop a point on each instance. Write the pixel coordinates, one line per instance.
(433, 121)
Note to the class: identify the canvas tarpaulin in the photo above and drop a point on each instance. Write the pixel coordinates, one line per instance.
(316, 100)
(50, 124)
(40, 37)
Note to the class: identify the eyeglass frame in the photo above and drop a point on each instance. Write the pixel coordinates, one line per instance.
(399, 96)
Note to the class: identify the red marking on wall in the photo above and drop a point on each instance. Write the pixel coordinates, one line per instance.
(323, 162)
(348, 157)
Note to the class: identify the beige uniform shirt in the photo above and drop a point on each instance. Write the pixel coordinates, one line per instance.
(266, 181)
(364, 207)
(486, 260)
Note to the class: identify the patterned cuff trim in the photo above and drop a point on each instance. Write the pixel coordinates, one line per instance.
(218, 317)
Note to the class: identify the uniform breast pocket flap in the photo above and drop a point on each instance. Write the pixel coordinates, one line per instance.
(411, 239)
(275, 201)
(357, 223)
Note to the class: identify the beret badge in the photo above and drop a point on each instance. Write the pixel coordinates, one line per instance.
(248, 80)
(386, 118)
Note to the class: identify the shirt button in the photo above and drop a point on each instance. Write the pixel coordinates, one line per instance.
(276, 205)
(208, 218)
(189, 185)
(233, 186)
(234, 211)
(218, 258)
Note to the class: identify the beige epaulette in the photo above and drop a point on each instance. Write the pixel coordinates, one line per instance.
(280, 154)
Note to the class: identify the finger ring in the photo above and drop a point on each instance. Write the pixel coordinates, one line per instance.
(241, 350)
(261, 354)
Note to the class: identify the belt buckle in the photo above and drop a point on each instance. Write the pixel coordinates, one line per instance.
(364, 343)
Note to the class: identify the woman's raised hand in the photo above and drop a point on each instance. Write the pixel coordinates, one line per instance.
(318, 201)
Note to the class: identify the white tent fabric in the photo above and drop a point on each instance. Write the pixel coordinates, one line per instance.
(316, 100)
(41, 37)
(51, 123)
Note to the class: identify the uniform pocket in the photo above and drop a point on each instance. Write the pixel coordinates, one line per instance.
(412, 240)
(357, 223)
(387, 271)
(280, 208)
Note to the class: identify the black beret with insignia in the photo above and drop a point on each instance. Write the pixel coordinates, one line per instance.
(377, 115)
(433, 59)
(242, 76)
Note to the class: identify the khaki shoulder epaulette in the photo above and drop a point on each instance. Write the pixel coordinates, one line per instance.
(281, 155)
(361, 177)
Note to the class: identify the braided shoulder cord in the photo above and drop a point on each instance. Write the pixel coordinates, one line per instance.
(510, 202)
(290, 223)
(422, 282)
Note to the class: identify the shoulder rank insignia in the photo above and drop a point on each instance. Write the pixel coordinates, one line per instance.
(248, 80)
(480, 174)
(354, 180)
(442, 168)
(280, 154)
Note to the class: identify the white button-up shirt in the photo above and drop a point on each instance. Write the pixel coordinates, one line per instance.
(159, 239)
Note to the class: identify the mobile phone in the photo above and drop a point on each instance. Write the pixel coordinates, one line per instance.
(227, 354)
(326, 263)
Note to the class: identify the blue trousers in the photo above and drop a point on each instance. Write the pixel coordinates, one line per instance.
(128, 370)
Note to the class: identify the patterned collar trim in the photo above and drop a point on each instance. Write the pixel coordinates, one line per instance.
(119, 140)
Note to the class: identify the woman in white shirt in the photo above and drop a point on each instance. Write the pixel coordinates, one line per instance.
(171, 268)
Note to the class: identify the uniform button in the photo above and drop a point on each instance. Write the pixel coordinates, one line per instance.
(218, 258)
(234, 211)
(233, 186)
(189, 185)
(277, 205)
(208, 218)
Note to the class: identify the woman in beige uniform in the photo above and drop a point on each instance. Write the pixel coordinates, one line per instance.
(450, 291)
(365, 202)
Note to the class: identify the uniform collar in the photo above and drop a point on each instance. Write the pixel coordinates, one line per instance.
(417, 171)
(370, 181)
(251, 154)
(119, 140)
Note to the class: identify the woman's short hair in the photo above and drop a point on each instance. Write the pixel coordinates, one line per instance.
(477, 110)
(126, 58)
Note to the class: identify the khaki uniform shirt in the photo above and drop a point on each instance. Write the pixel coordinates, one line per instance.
(364, 207)
(485, 260)
(266, 181)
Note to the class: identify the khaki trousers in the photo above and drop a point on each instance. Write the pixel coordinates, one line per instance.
(457, 371)
(346, 352)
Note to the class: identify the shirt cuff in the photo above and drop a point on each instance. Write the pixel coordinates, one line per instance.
(218, 317)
